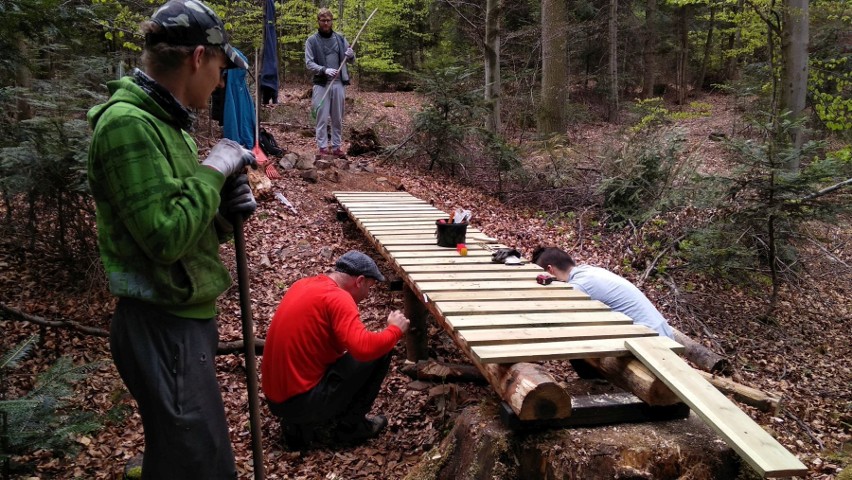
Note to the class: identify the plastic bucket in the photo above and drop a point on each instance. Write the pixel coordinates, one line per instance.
(450, 234)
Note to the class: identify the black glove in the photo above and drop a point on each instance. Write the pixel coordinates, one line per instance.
(237, 198)
(502, 254)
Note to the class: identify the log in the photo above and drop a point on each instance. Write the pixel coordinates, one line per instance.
(533, 394)
(434, 371)
(701, 356)
(631, 375)
(759, 399)
(416, 346)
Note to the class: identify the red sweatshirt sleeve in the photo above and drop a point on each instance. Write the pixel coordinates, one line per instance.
(363, 344)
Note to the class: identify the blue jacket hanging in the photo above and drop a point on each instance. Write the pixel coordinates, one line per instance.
(269, 64)
(238, 117)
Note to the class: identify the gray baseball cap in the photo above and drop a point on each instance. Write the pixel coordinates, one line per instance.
(356, 263)
(190, 23)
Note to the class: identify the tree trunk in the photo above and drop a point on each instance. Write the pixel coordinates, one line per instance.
(554, 67)
(683, 55)
(613, 61)
(734, 40)
(649, 54)
(701, 356)
(492, 64)
(707, 44)
(23, 79)
(794, 72)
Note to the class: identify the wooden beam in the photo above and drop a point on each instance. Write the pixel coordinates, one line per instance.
(768, 457)
(475, 285)
(515, 336)
(522, 319)
(498, 295)
(529, 306)
(483, 265)
(534, 352)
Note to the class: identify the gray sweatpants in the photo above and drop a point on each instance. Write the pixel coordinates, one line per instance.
(331, 110)
(168, 364)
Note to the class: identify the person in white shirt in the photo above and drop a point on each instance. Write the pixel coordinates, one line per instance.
(602, 285)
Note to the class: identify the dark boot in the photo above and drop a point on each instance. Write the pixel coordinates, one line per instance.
(304, 436)
(356, 431)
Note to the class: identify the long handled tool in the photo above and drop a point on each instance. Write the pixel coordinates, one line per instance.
(262, 159)
(328, 87)
(248, 342)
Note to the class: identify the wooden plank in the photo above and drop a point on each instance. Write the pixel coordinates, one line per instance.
(498, 336)
(385, 210)
(431, 240)
(447, 260)
(439, 252)
(400, 201)
(523, 319)
(467, 285)
(450, 308)
(501, 275)
(600, 409)
(400, 215)
(367, 225)
(337, 193)
(498, 295)
(534, 352)
(427, 235)
(484, 265)
(768, 457)
(417, 250)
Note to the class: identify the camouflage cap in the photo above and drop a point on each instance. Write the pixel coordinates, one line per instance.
(190, 23)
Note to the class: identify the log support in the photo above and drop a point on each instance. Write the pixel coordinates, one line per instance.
(416, 347)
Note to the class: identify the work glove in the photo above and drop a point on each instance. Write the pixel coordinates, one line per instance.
(229, 157)
(508, 256)
(331, 72)
(237, 198)
(350, 54)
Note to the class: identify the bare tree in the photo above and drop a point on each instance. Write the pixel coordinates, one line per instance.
(613, 61)
(492, 64)
(794, 71)
(554, 67)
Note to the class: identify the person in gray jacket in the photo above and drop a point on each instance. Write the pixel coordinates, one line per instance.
(602, 285)
(326, 55)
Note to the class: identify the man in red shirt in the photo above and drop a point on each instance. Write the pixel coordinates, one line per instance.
(322, 369)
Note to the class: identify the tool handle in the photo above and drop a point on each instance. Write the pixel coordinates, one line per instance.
(352, 45)
(248, 342)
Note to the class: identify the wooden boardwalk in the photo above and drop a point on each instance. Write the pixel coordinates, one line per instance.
(502, 318)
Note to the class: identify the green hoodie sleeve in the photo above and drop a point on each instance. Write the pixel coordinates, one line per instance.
(152, 180)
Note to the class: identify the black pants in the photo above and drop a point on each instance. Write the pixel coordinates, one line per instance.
(168, 364)
(345, 393)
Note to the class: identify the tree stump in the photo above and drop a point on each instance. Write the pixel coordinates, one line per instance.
(363, 141)
(480, 447)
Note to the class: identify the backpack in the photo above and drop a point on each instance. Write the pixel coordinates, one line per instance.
(269, 145)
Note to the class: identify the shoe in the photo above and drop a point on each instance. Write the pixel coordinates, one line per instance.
(337, 152)
(324, 151)
(302, 436)
(361, 429)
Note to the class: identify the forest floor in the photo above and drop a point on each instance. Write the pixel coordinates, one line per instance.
(803, 355)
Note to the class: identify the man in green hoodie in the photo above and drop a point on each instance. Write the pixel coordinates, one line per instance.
(161, 216)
